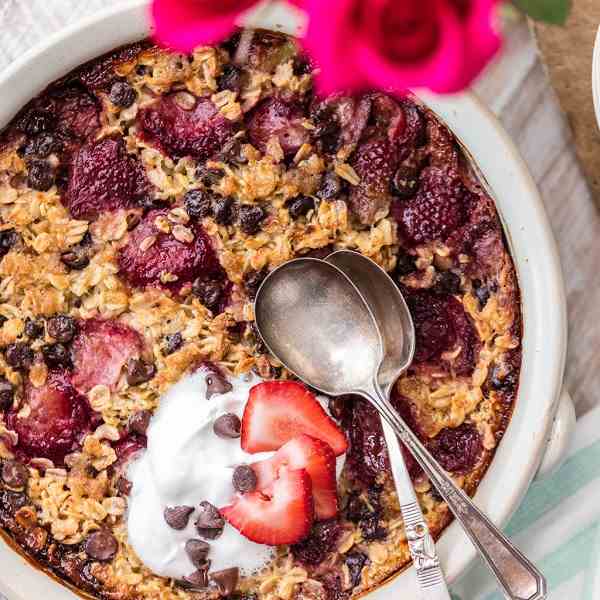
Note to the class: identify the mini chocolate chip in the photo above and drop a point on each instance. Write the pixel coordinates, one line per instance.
(356, 509)
(404, 182)
(231, 78)
(405, 264)
(139, 422)
(327, 130)
(56, 355)
(15, 474)
(62, 328)
(133, 220)
(197, 550)
(198, 580)
(331, 186)
(177, 517)
(209, 292)
(197, 204)
(251, 218)
(41, 146)
(227, 426)
(216, 384)
(34, 328)
(19, 355)
(8, 239)
(209, 176)
(101, 545)
(7, 394)
(299, 206)
(122, 94)
(124, 486)
(223, 210)
(448, 283)
(355, 562)
(371, 528)
(482, 292)
(36, 121)
(139, 371)
(173, 342)
(244, 479)
(226, 580)
(40, 175)
(141, 70)
(76, 258)
(209, 523)
(232, 151)
(252, 281)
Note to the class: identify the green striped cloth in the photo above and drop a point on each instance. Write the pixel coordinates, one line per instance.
(557, 526)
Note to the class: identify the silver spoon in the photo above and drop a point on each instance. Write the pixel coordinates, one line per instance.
(398, 336)
(314, 320)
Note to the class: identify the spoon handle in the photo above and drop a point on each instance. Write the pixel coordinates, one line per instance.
(420, 543)
(517, 576)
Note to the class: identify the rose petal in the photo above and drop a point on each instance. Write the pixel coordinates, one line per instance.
(186, 24)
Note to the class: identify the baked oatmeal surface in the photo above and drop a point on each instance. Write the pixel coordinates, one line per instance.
(143, 198)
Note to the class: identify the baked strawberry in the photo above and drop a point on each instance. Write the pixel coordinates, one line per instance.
(375, 162)
(100, 350)
(438, 208)
(143, 266)
(58, 417)
(278, 411)
(442, 324)
(280, 514)
(274, 117)
(317, 459)
(104, 177)
(198, 130)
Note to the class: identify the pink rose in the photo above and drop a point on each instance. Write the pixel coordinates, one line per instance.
(400, 44)
(185, 24)
(360, 44)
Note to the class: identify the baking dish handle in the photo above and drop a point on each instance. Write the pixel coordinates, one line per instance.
(560, 436)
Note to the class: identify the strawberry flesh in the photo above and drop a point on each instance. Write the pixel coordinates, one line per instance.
(58, 418)
(280, 514)
(317, 458)
(274, 117)
(104, 177)
(186, 261)
(441, 324)
(100, 350)
(438, 208)
(198, 132)
(278, 411)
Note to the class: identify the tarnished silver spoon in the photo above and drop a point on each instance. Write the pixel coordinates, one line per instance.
(314, 320)
(398, 337)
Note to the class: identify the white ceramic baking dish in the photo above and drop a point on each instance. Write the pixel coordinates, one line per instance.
(543, 417)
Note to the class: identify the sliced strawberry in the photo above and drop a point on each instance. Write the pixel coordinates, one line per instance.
(100, 350)
(278, 411)
(280, 514)
(317, 459)
(56, 420)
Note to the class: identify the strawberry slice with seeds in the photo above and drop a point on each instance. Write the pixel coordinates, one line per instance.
(278, 411)
(100, 350)
(317, 459)
(280, 514)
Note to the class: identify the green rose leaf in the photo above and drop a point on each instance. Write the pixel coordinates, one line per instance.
(549, 11)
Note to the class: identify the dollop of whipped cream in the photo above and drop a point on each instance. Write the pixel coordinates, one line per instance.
(184, 464)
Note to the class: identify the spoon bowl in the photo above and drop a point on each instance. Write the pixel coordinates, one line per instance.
(337, 353)
(389, 310)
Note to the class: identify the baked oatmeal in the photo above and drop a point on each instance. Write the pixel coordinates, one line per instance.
(143, 199)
